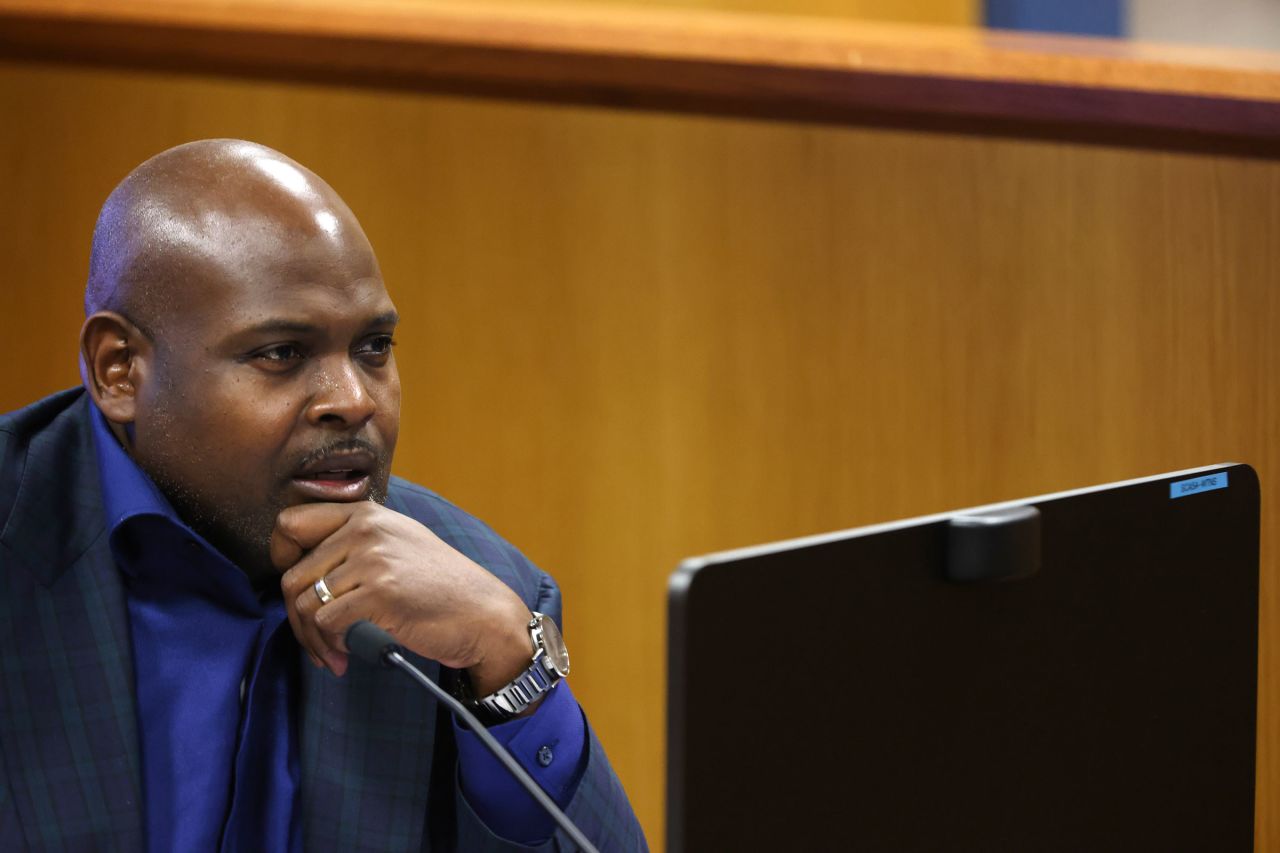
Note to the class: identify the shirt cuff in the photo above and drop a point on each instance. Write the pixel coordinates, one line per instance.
(550, 744)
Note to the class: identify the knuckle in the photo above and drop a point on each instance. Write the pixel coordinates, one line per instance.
(375, 520)
(380, 529)
(392, 624)
(387, 583)
(291, 583)
(287, 521)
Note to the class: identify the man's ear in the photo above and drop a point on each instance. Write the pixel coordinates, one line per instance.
(113, 355)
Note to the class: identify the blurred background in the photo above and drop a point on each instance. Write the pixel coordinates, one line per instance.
(635, 336)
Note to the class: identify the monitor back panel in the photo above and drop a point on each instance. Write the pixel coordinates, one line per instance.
(845, 695)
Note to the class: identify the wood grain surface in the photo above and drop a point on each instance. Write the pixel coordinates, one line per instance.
(953, 12)
(950, 78)
(630, 337)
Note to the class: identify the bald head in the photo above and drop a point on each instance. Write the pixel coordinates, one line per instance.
(238, 328)
(208, 209)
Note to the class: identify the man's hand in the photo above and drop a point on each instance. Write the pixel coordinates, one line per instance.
(389, 569)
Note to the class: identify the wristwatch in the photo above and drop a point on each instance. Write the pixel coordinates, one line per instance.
(550, 664)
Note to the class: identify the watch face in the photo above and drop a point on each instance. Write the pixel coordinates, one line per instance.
(553, 643)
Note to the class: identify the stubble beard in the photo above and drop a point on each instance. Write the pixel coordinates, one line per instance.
(243, 534)
(239, 529)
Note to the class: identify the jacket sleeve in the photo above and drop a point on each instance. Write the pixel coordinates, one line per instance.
(599, 806)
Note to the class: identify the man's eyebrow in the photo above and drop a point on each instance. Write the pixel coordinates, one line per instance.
(274, 326)
(298, 327)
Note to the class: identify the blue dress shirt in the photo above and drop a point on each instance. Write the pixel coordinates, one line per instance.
(216, 680)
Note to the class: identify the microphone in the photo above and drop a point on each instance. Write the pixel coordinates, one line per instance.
(374, 646)
(369, 643)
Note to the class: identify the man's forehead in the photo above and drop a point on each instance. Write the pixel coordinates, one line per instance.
(264, 264)
(308, 305)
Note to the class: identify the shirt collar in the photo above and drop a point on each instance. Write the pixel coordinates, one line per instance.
(139, 517)
(140, 520)
(127, 492)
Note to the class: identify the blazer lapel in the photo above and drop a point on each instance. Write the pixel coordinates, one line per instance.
(68, 721)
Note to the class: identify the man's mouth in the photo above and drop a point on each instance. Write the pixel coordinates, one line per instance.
(337, 474)
(343, 476)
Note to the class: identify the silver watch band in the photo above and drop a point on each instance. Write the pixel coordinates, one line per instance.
(522, 692)
(550, 665)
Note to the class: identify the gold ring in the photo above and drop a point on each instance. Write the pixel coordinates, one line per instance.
(323, 592)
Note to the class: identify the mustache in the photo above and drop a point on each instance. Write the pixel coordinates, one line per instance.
(345, 445)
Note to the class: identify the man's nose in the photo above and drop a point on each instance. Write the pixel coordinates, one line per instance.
(342, 398)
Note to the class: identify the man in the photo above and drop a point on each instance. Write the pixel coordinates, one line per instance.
(218, 499)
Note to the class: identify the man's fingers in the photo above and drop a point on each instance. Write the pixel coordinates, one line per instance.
(300, 544)
(334, 618)
(295, 623)
(324, 559)
(303, 621)
(304, 607)
(300, 528)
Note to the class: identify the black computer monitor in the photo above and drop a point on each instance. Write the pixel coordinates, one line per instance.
(877, 690)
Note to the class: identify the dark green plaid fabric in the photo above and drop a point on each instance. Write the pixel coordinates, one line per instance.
(378, 760)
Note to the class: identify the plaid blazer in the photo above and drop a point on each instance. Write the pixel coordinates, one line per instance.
(378, 760)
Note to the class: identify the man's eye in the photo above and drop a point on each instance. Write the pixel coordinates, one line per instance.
(279, 354)
(377, 346)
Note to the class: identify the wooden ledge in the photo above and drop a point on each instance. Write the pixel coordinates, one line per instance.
(767, 66)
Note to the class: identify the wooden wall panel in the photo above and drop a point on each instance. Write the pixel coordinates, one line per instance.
(634, 337)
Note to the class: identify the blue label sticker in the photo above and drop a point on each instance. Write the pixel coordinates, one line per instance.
(1207, 483)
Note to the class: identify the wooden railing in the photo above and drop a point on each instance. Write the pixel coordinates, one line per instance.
(720, 63)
